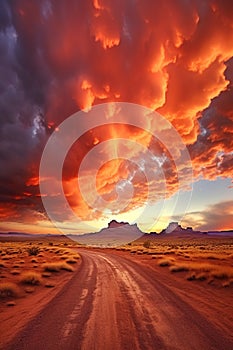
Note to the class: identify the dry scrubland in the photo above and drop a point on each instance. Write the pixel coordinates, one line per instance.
(207, 259)
(32, 275)
(27, 267)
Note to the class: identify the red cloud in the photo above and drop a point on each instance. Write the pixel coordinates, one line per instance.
(172, 57)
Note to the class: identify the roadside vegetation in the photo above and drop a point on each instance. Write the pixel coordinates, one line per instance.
(26, 267)
(208, 259)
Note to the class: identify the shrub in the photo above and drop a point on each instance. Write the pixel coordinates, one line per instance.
(66, 267)
(8, 289)
(191, 276)
(178, 268)
(222, 272)
(33, 251)
(147, 244)
(11, 303)
(57, 266)
(71, 261)
(201, 276)
(16, 266)
(64, 257)
(49, 285)
(77, 256)
(46, 274)
(51, 267)
(31, 277)
(164, 262)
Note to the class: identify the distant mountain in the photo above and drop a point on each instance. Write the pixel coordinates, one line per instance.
(15, 233)
(220, 233)
(174, 229)
(116, 234)
(114, 224)
(18, 236)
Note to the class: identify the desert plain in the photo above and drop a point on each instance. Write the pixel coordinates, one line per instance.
(169, 292)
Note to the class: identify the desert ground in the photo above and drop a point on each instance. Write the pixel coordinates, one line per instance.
(166, 293)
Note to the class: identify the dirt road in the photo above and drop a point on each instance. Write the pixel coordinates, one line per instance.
(115, 303)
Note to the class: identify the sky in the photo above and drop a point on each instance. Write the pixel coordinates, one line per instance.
(174, 58)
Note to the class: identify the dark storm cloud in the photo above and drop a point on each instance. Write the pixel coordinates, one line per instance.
(213, 148)
(19, 135)
(5, 15)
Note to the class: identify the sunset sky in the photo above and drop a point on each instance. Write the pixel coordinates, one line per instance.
(174, 57)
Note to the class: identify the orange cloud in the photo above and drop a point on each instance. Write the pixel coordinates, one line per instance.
(173, 57)
(216, 217)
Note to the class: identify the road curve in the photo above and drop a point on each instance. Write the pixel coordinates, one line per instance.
(112, 303)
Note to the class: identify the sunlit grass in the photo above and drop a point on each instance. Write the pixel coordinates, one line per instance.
(9, 289)
(26, 265)
(57, 266)
(31, 277)
(197, 259)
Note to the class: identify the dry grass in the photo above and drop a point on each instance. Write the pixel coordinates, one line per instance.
(76, 256)
(6, 257)
(46, 274)
(208, 255)
(10, 303)
(64, 257)
(165, 262)
(222, 272)
(57, 266)
(15, 272)
(203, 271)
(16, 266)
(71, 261)
(178, 268)
(204, 258)
(9, 289)
(33, 250)
(31, 277)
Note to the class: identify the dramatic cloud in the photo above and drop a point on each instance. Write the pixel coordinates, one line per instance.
(57, 58)
(217, 217)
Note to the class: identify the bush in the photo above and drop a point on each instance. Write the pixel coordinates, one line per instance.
(51, 267)
(31, 277)
(147, 244)
(164, 262)
(178, 268)
(71, 261)
(8, 289)
(57, 266)
(33, 251)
